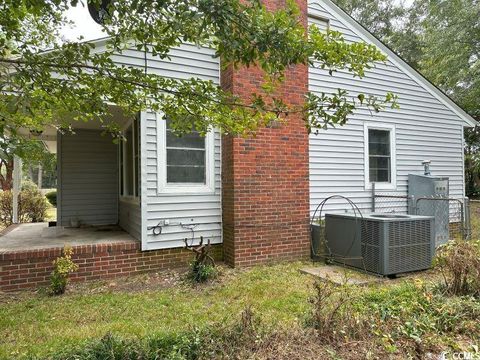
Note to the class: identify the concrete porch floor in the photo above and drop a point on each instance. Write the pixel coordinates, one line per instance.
(40, 236)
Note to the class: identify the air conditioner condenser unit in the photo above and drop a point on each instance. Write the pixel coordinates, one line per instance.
(385, 244)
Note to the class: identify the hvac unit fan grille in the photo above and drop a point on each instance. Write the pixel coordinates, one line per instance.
(409, 246)
(371, 245)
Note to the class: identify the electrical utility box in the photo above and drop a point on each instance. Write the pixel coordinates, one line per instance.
(428, 186)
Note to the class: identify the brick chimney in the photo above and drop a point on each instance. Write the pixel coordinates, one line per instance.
(265, 179)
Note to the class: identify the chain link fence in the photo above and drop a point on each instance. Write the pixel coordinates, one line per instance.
(390, 203)
(452, 216)
(449, 217)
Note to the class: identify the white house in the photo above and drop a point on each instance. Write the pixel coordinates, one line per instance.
(162, 189)
(153, 190)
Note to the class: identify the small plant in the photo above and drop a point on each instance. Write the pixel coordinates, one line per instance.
(52, 197)
(202, 272)
(203, 266)
(62, 267)
(459, 263)
(332, 313)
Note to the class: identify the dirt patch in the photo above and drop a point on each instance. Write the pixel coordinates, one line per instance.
(150, 282)
(132, 284)
(341, 275)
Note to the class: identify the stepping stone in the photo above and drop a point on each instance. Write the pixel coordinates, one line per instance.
(340, 275)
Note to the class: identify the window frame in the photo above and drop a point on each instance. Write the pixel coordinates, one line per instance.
(392, 185)
(135, 197)
(183, 188)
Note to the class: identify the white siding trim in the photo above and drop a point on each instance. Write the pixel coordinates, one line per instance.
(184, 188)
(143, 180)
(393, 156)
(130, 199)
(366, 36)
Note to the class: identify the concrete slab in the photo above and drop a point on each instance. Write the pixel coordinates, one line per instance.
(40, 236)
(341, 275)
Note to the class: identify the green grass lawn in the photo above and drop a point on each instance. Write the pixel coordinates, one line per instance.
(394, 315)
(39, 324)
(398, 314)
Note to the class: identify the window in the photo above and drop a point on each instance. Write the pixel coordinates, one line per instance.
(185, 162)
(186, 158)
(380, 156)
(129, 155)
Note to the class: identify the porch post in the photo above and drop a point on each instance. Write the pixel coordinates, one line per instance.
(17, 183)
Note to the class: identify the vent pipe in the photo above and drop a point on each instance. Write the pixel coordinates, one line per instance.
(426, 167)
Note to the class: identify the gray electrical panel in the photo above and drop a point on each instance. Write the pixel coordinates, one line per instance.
(424, 187)
(386, 244)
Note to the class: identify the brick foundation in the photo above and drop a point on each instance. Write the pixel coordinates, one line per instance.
(265, 179)
(32, 268)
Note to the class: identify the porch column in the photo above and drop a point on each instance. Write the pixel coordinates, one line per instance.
(17, 184)
(265, 179)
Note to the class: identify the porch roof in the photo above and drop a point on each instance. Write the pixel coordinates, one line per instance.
(49, 134)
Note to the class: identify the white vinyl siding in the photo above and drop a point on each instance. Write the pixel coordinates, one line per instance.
(196, 209)
(129, 217)
(193, 208)
(425, 128)
(88, 178)
(203, 209)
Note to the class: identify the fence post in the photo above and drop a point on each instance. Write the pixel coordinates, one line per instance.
(373, 197)
(466, 212)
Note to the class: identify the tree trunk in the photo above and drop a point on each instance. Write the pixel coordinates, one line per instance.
(40, 176)
(6, 176)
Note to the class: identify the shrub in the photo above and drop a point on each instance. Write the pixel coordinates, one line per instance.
(29, 185)
(333, 315)
(202, 272)
(203, 266)
(52, 197)
(62, 267)
(32, 206)
(459, 263)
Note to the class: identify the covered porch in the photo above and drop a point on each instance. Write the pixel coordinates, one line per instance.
(98, 209)
(36, 236)
(97, 178)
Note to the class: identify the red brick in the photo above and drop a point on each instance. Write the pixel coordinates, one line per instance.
(29, 269)
(265, 186)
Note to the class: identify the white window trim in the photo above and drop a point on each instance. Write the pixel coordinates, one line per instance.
(132, 199)
(392, 185)
(183, 188)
